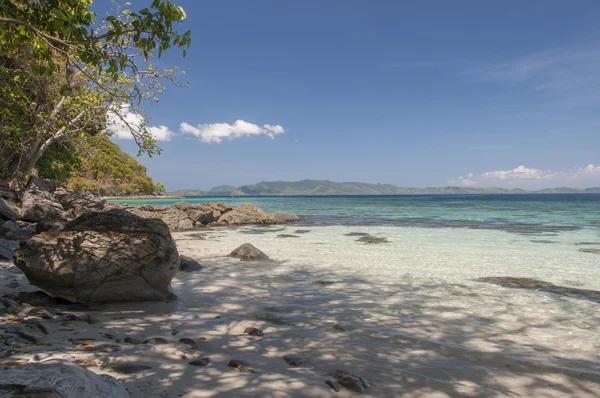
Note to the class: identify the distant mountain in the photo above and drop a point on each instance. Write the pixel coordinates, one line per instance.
(324, 187)
(188, 192)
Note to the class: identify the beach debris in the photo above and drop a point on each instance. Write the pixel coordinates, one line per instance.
(350, 380)
(127, 368)
(189, 342)
(254, 332)
(294, 360)
(240, 365)
(156, 341)
(200, 362)
(372, 240)
(247, 252)
(333, 385)
(132, 340)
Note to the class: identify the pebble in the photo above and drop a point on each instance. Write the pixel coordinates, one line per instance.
(333, 385)
(41, 356)
(254, 332)
(294, 360)
(156, 341)
(189, 342)
(200, 362)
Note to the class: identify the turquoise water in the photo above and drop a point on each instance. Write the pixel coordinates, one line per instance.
(526, 214)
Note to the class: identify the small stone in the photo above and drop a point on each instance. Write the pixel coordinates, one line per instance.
(132, 340)
(254, 332)
(339, 327)
(156, 341)
(200, 362)
(128, 368)
(189, 342)
(294, 360)
(234, 363)
(333, 385)
(41, 356)
(174, 332)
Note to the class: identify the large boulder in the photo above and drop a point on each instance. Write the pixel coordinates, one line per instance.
(201, 214)
(9, 209)
(39, 205)
(247, 252)
(41, 184)
(175, 219)
(78, 203)
(247, 213)
(58, 378)
(103, 256)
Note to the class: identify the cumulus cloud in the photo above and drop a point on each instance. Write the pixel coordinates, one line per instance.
(531, 178)
(216, 132)
(121, 119)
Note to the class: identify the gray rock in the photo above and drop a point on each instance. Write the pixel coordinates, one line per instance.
(350, 381)
(175, 219)
(333, 385)
(6, 251)
(156, 341)
(20, 235)
(108, 256)
(132, 340)
(200, 362)
(234, 363)
(49, 225)
(189, 342)
(39, 205)
(8, 226)
(294, 360)
(198, 214)
(9, 209)
(247, 213)
(58, 378)
(79, 203)
(38, 299)
(188, 264)
(41, 184)
(247, 252)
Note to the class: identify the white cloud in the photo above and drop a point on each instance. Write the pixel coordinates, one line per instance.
(216, 132)
(531, 178)
(121, 119)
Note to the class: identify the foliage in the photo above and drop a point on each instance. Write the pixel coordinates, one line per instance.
(106, 170)
(59, 77)
(58, 162)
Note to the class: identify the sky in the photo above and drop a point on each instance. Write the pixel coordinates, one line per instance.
(428, 93)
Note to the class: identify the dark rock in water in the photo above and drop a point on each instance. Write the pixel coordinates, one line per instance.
(200, 362)
(541, 286)
(287, 236)
(189, 342)
(132, 340)
(156, 341)
(302, 231)
(103, 256)
(323, 283)
(588, 243)
(247, 252)
(594, 251)
(49, 225)
(240, 365)
(339, 327)
(543, 241)
(370, 240)
(254, 332)
(294, 360)
(357, 234)
(188, 264)
(197, 236)
(333, 385)
(128, 368)
(58, 378)
(350, 381)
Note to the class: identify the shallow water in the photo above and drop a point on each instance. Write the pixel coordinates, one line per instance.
(411, 308)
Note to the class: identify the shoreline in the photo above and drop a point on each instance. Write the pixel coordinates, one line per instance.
(140, 197)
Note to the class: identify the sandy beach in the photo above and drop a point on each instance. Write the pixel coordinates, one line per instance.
(409, 336)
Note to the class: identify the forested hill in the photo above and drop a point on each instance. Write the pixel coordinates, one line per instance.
(324, 187)
(97, 165)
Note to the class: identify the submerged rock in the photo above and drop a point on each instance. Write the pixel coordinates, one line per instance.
(586, 250)
(109, 256)
(156, 341)
(128, 368)
(350, 381)
(541, 286)
(188, 264)
(294, 360)
(372, 240)
(254, 332)
(247, 252)
(58, 378)
(287, 236)
(200, 362)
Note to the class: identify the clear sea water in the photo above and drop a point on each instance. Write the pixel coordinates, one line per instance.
(414, 311)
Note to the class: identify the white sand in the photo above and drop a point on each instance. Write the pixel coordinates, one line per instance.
(415, 324)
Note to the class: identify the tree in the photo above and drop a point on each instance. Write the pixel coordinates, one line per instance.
(60, 77)
(159, 188)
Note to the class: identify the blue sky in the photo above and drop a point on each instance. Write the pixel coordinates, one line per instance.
(426, 93)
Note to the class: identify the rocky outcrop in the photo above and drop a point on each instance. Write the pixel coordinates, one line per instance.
(247, 252)
(9, 209)
(39, 205)
(103, 256)
(247, 213)
(58, 378)
(76, 204)
(41, 184)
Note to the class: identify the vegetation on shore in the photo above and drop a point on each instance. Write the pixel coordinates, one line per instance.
(324, 187)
